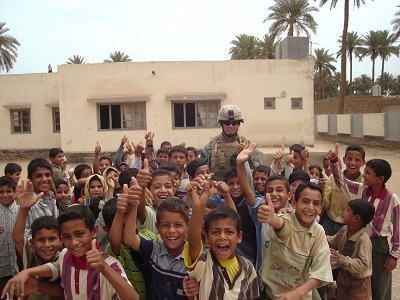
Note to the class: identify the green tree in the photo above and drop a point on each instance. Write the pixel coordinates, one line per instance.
(244, 47)
(363, 85)
(344, 39)
(353, 47)
(267, 47)
(388, 82)
(385, 50)
(396, 23)
(76, 59)
(323, 64)
(291, 15)
(118, 56)
(8, 49)
(370, 48)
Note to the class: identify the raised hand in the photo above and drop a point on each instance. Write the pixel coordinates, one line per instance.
(122, 201)
(134, 193)
(305, 155)
(190, 286)
(222, 188)
(149, 136)
(26, 198)
(290, 158)
(144, 176)
(266, 211)
(110, 181)
(246, 153)
(94, 258)
(123, 140)
(97, 149)
(333, 154)
(138, 148)
(202, 187)
(279, 155)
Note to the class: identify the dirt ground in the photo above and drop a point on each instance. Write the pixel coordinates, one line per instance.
(392, 156)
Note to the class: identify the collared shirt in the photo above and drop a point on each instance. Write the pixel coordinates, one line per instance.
(162, 272)
(8, 216)
(44, 207)
(359, 262)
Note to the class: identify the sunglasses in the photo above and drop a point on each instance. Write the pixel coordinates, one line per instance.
(234, 123)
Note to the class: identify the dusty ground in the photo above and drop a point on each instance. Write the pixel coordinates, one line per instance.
(392, 156)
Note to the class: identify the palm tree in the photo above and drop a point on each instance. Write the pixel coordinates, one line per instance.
(323, 64)
(244, 47)
(370, 48)
(344, 39)
(396, 23)
(8, 49)
(118, 56)
(363, 85)
(267, 47)
(385, 50)
(294, 15)
(388, 82)
(353, 45)
(76, 59)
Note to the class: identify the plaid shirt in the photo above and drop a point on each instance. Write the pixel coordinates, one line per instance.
(8, 216)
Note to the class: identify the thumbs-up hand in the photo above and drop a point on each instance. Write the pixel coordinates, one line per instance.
(134, 193)
(122, 201)
(290, 158)
(266, 211)
(94, 258)
(333, 154)
(144, 176)
(190, 286)
(246, 153)
(97, 149)
(279, 155)
(242, 145)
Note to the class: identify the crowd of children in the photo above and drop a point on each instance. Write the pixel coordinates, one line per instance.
(156, 224)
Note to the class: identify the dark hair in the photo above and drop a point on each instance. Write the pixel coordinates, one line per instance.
(355, 148)
(170, 168)
(109, 211)
(296, 148)
(381, 168)
(38, 163)
(278, 178)
(262, 169)
(77, 212)
(44, 222)
(212, 204)
(79, 169)
(317, 167)
(12, 168)
(54, 151)
(106, 158)
(60, 182)
(162, 150)
(192, 149)
(230, 173)
(177, 148)
(165, 143)
(126, 176)
(364, 209)
(160, 172)
(174, 205)
(223, 212)
(194, 165)
(7, 181)
(303, 186)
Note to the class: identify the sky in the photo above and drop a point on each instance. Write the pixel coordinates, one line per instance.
(52, 31)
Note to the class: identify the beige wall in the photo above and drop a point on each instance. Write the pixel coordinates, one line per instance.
(322, 123)
(245, 83)
(374, 124)
(343, 124)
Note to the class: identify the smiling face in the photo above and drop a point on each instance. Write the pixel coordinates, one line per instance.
(190, 156)
(76, 237)
(202, 170)
(95, 188)
(230, 128)
(6, 195)
(172, 229)
(161, 187)
(259, 181)
(41, 179)
(162, 158)
(370, 179)
(103, 164)
(46, 243)
(234, 188)
(223, 237)
(308, 206)
(177, 179)
(353, 161)
(278, 193)
(62, 193)
(58, 159)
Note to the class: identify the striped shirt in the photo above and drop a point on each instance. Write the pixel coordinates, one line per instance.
(387, 208)
(44, 207)
(7, 253)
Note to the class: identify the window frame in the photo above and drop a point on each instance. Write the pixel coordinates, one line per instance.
(121, 105)
(207, 102)
(273, 101)
(54, 112)
(21, 118)
(299, 100)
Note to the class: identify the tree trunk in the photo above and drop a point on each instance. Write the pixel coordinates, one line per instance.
(290, 32)
(382, 71)
(343, 59)
(351, 74)
(320, 83)
(373, 70)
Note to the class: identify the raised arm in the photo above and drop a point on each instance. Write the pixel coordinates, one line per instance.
(97, 150)
(242, 158)
(266, 214)
(26, 200)
(143, 179)
(223, 190)
(276, 166)
(149, 137)
(115, 235)
(131, 238)
(120, 152)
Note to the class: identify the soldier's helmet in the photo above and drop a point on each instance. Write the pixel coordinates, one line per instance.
(230, 113)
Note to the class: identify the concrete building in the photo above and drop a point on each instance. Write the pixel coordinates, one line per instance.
(82, 104)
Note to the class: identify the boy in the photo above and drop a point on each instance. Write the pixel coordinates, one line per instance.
(100, 163)
(295, 179)
(176, 174)
(85, 272)
(162, 156)
(161, 263)
(294, 161)
(177, 156)
(8, 213)
(39, 173)
(13, 171)
(387, 212)
(260, 176)
(56, 156)
(297, 260)
(223, 274)
(335, 201)
(352, 251)
(42, 247)
(191, 154)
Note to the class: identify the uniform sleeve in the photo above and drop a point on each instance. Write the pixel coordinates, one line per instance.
(205, 152)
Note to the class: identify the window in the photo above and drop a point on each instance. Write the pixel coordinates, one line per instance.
(297, 103)
(269, 103)
(21, 121)
(122, 116)
(195, 114)
(56, 119)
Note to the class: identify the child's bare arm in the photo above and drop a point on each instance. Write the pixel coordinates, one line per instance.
(115, 235)
(143, 179)
(149, 137)
(26, 200)
(242, 158)
(97, 150)
(131, 238)
(266, 214)
(111, 185)
(300, 291)
(223, 190)
(276, 166)
(200, 199)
